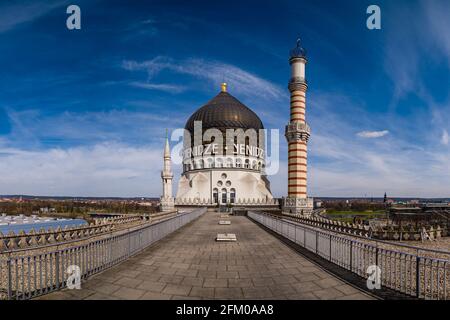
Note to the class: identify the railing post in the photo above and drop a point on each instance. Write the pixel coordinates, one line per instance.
(376, 256)
(418, 276)
(8, 267)
(329, 236)
(57, 268)
(317, 242)
(351, 255)
(129, 245)
(304, 237)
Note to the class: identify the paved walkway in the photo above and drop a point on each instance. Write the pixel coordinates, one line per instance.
(189, 264)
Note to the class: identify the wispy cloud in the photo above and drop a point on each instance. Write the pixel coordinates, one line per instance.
(88, 128)
(372, 134)
(445, 137)
(15, 13)
(242, 82)
(171, 88)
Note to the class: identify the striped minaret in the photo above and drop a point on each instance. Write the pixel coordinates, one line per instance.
(297, 135)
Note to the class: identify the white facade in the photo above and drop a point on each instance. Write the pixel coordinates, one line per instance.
(224, 186)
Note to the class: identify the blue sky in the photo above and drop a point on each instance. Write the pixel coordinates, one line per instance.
(84, 112)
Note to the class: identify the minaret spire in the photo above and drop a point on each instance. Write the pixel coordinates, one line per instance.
(167, 147)
(167, 201)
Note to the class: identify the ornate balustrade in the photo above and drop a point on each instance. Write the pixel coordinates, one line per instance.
(40, 238)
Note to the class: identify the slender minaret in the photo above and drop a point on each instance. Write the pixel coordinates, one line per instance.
(167, 201)
(297, 135)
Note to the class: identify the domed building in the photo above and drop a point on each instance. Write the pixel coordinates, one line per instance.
(224, 155)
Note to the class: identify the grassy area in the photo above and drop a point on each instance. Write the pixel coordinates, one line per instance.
(347, 216)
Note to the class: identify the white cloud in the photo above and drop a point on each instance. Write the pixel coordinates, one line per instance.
(372, 134)
(340, 165)
(239, 80)
(445, 137)
(100, 170)
(172, 88)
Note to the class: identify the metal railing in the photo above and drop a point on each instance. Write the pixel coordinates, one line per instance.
(29, 276)
(418, 276)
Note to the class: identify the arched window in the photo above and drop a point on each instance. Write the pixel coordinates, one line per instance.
(210, 162)
(254, 164)
(218, 162)
(216, 195)
(238, 163)
(232, 195)
(247, 164)
(224, 196)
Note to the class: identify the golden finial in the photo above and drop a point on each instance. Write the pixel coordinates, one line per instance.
(224, 87)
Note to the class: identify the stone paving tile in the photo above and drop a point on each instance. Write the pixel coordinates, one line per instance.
(193, 281)
(347, 289)
(207, 274)
(356, 296)
(129, 273)
(328, 294)
(181, 290)
(215, 283)
(128, 293)
(189, 264)
(171, 279)
(155, 296)
(101, 296)
(228, 274)
(303, 287)
(128, 282)
(228, 293)
(285, 279)
(257, 293)
(240, 283)
(149, 276)
(151, 286)
(187, 273)
(301, 296)
(262, 282)
(206, 293)
(236, 268)
(282, 289)
(328, 283)
(308, 276)
(107, 288)
(185, 298)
